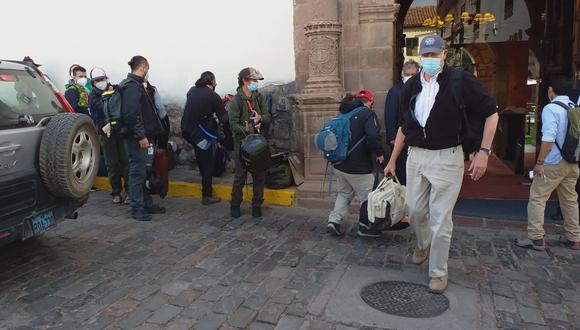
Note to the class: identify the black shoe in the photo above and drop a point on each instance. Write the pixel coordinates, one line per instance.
(257, 212)
(155, 209)
(235, 212)
(334, 229)
(210, 200)
(365, 231)
(141, 216)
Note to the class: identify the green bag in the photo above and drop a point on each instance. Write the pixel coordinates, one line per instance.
(112, 103)
(279, 176)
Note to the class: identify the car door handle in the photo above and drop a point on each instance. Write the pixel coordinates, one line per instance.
(12, 147)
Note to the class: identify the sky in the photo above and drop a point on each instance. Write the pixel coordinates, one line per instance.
(181, 39)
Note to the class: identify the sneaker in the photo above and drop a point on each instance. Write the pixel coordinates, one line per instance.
(235, 212)
(257, 212)
(419, 256)
(364, 231)
(210, 200)
(117, 199)
(538, 245)
(127, 200)
(155, 209)
(438, 284)
(141, 215)
(334, 229)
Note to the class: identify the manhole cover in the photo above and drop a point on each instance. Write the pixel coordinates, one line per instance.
(404, 299)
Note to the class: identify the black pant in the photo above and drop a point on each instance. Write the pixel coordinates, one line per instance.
(240, 181)
(140, 198)
(205, 162)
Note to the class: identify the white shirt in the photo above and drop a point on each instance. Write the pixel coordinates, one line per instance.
(426, 99)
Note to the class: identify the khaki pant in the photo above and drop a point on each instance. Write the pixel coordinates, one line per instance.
(562, 178)
(349, 185)
(434, 179)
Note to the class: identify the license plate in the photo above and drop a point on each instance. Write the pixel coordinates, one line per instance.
(43, 222)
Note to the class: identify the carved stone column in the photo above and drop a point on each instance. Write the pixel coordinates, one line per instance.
(323, 71)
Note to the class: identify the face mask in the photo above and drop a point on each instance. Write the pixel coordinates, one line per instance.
(102, 85)
(253, 86)
(82, 81)
(406, 78)
(431, 65)
(146, 76)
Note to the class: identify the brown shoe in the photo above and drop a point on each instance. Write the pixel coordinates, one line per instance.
(419, 256)
(526, 243)
(438, 284)
(572, 245)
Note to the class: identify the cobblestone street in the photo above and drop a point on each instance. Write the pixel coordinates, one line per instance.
(196, 268)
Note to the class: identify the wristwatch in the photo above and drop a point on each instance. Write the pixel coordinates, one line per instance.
(487, 151)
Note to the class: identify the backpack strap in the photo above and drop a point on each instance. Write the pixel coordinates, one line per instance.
(567, 108)
(457, 92)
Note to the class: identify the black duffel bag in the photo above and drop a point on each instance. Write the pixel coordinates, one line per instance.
(256, 153)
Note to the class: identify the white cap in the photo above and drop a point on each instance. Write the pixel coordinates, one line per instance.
(97, 74)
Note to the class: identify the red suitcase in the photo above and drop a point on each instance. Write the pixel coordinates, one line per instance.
(161, 168)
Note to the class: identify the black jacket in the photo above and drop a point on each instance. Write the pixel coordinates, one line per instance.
(140, 118)
(365, 123)
(392, 112)
(97, 108)
(201, 105)
(72, 96)
(443, 127)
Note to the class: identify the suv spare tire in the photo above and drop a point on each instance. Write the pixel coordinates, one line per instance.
(69, 155)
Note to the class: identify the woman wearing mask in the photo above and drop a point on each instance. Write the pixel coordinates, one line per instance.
(248, 114)
(111, 143)
(199, 126)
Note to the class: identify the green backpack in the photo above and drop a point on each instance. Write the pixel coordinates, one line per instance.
(112, 104)
(279, 176)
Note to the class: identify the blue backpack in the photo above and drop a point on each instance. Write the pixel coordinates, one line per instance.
(334, 137)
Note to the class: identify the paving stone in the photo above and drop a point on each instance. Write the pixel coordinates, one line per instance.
(570, 295)
(134, 319)
(180, 324)
(242, 318)
(215, 293)
(256, 301)
(554, 312)
(175, 288)
(210, 322)
(289, 322)
(531, 315)
(185, 298)
(507, 320)
(505, 304)
(227, 305)
(271, 313)
(156, 302)
(164, 314)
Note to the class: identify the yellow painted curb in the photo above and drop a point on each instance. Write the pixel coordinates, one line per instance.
(282, 197)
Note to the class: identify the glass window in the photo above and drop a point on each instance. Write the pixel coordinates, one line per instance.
(412, 46)
(25, 98)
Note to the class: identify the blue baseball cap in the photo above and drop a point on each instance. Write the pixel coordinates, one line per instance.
(432, 44)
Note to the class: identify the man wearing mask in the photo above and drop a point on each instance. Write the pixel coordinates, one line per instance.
(553, 172)
(433, 130)
(76, 94)
(199, 125)
(141, 126)
(112, 143)
(354, 174)
(393, 116)
(248, 104)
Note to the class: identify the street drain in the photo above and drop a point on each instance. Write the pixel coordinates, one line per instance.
(404, 299)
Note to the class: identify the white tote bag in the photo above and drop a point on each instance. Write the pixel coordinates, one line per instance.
(387, 202)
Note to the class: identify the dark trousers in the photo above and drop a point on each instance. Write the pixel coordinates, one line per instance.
(205, 162)
(117, 163)
(140, 198)
(240, 181)
(401, 170)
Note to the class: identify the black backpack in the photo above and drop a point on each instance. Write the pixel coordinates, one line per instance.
(472, 126)
(570, 150)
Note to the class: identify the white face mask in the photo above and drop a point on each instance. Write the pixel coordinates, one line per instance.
(406, 78)
(102, 85)
(82, 81)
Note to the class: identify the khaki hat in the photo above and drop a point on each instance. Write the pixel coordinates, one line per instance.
(251, 74)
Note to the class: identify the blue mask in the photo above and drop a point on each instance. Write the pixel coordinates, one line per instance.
(253, 86)
(431, 65)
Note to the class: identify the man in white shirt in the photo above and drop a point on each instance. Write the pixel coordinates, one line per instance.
(433, 105)
(552, 172)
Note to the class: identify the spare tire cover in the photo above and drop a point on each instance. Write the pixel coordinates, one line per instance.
(69, 155)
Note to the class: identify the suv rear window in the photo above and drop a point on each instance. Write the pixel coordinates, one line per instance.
(25, 98)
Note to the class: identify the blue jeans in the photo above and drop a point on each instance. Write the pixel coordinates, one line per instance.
(140, 198)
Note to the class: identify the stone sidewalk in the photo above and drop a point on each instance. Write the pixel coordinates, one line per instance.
(196, 268)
